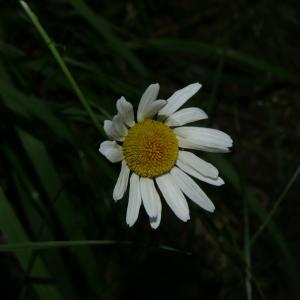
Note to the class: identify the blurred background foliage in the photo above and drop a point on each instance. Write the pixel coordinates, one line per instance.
(56, 188)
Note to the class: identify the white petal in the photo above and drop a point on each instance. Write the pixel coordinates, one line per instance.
(147, 98)
(122, 182)
(195, 162)
(119, 126)
(198, 145)
(154, 222)
(153, 108)
(193, 172)
(200, 138)
(174, 197)
(135, 200)
(178, 99)
(186, 115)
(111, 131)
(191, 189)
(205, 136)
(125, 110)
(150, 196)
(108, 129)
(111, 150)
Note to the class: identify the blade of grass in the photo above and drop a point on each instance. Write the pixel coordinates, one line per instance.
(15, 233)
(50, 180)
(39, 220)
(232, 177)
(61, 63)
(247, 252)
(216, 84)
(292, 265)
(71, 220)
(275, 206)
(58, 244)
(54, 260)
(10, 50)
(105, 80)
(104, 29)
(48, 245)
(31, 107)
(210, 51)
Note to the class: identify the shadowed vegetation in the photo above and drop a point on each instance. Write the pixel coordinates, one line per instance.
(62, 237)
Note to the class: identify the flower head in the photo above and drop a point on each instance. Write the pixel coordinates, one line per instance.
(152, 151)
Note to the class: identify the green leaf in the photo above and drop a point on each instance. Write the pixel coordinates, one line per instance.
(60, 244)
(15, 233)
(214, 52)
(34, 19)
(31, 107)
(71, 220)
(232, 177)
(103, 27)
(38, 219)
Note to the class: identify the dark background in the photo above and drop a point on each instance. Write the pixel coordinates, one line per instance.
(55, 186)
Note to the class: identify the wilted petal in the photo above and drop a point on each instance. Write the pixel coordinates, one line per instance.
(119, 126)
(155, 222)
(111, 150)
(111, 131)
(125, 110)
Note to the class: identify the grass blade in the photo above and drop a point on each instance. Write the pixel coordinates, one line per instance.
(71, 220)
(61, 63)
(104, 28)
(209, 51)
(232, 177)
(14, 232)
(39, 220)
(58, 244)
(277, 203)
(247, 252)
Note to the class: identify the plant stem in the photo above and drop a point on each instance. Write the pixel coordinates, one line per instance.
(276, 205)
(247, 252)
(61, 63)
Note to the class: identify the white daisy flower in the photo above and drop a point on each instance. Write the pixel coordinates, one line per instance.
(152, 147)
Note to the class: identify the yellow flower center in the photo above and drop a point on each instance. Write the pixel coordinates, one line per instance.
(150, 148)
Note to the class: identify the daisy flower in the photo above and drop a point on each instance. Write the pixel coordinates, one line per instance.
(151, 147)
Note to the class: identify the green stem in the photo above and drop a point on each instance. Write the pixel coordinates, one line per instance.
(61, 63)
(275, 206)
(247, 252)
(58, 244)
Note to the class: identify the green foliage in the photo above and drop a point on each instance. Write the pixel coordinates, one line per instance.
(63, 65)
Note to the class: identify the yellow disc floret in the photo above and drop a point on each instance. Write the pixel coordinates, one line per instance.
(150, 148)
